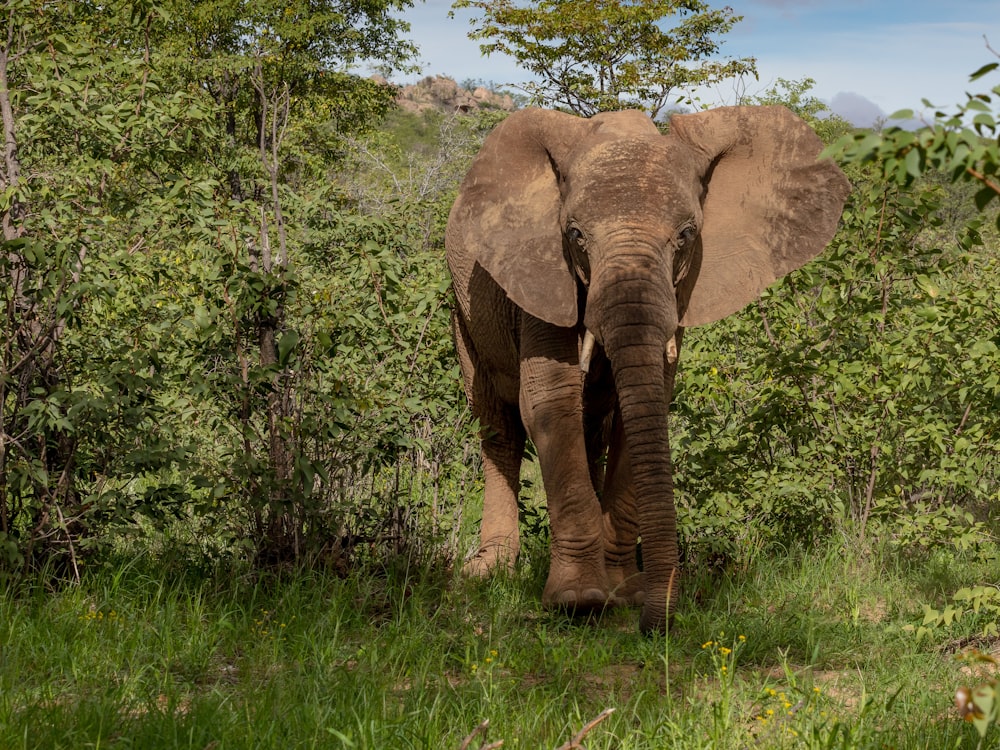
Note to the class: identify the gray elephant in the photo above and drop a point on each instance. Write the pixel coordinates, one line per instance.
(579, 250)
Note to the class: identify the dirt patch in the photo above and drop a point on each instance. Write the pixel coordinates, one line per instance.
(839, 685)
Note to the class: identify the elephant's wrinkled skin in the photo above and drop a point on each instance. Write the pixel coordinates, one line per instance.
(567, 225)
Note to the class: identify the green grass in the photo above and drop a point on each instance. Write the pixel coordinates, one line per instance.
(802, 650)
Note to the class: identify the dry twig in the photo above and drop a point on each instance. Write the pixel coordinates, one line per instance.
(574, 744)
(481, 729)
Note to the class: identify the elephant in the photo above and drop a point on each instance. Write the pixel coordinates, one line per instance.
(580, 249)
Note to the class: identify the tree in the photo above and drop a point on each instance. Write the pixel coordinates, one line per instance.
(89, 132)
(597, 55)
(159, 160)
(275, 70)
(963, 145)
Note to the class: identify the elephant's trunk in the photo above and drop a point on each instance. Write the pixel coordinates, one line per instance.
(636, 320)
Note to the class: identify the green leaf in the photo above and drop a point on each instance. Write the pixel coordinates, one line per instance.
(984, 196)
(988, 68)
(869, 144)
(984, 120)
(984, 699)
(286, 344)
(931, 615)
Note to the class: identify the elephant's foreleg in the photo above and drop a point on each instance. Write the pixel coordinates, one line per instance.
(552, 410)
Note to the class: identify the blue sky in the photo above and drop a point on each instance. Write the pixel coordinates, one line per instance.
(868, 57)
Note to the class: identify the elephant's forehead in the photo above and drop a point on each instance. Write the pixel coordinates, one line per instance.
(634, 157)
(654, 170)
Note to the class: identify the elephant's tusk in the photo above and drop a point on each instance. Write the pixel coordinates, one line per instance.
(672, 350)
(586, 351)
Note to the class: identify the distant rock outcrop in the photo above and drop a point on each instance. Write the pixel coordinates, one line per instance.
(443, 93)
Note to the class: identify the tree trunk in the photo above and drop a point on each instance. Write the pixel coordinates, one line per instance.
(283, 532)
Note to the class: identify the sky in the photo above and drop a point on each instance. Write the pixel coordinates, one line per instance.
(868, 58)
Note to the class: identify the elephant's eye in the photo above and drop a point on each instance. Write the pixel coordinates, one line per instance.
(578, 253)
(682, 257)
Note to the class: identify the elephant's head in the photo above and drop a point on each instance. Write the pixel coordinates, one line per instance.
(646, 232)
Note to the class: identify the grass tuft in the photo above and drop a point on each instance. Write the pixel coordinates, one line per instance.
(813, 649)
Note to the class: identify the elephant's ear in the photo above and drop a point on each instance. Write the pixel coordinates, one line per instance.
(769, 204)
(506, 216)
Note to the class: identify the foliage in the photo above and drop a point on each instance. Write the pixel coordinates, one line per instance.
(96, 131)
(979, 602)
(963, 145)
(963, 148)
(273, 71)
(595, 56)
(980, 705)
(859, 388)
(858, 392)
(167, 361)
(414, 164)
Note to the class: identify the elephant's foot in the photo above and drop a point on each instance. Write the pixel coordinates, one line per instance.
(490, 558)
(628, 587)
(577, 581)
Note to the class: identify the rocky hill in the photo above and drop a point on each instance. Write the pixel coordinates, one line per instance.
(444, 94)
